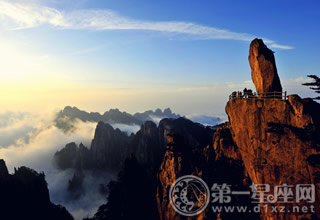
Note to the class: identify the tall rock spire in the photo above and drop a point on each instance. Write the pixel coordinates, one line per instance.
(263, 68)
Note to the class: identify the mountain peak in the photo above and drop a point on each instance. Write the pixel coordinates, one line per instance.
(263, 68)
(3, 168)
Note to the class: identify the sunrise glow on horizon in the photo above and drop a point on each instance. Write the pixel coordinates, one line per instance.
(104, 55)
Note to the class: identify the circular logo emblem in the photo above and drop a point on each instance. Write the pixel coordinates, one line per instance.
(189, 195)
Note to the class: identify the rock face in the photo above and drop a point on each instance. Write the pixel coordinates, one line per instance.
(185, 143)
(25, 195)
(216, 159)
(108, 147)
(178, 161)
(279, 142)
(263, 68)
(145, 145)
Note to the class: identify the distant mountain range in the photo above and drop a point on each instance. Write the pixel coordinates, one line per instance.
(65, 118)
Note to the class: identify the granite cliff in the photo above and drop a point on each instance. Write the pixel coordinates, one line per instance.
(278, 141)
(263, 68)
(216, 160)
(271, 140)
(278, 138)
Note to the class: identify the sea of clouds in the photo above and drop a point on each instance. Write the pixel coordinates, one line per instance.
(29, 139)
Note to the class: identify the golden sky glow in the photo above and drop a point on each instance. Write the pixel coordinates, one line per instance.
(52, 57)
(30, 82)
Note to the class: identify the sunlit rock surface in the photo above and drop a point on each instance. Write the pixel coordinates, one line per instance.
(263, 68)
(279, 141)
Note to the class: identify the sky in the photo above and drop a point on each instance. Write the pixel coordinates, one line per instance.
(140, 54)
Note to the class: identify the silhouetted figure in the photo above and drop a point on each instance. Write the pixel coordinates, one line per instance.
(233, 95)
(245, 91)
(249, 93)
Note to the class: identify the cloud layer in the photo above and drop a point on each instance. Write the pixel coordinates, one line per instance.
(15, 15)
(28, 139)
(34, 140)
(206, 120)
(31, 140)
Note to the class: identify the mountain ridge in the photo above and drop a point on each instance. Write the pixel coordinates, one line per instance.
(64, 118)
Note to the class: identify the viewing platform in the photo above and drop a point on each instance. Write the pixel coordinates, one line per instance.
(254, 95)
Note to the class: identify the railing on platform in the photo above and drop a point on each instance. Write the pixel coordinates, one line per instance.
(254, 95)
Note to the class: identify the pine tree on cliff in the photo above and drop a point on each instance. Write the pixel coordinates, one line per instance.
(315, 85)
